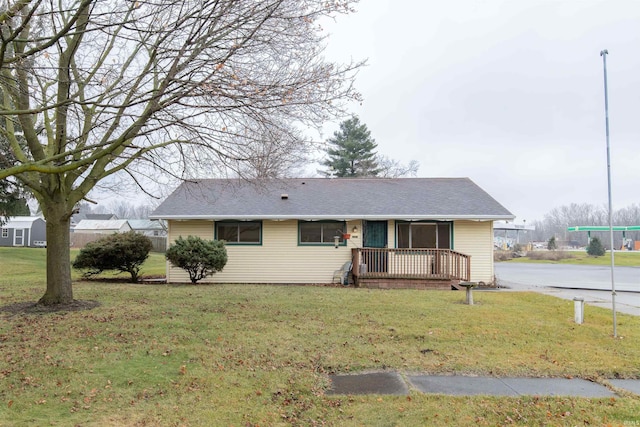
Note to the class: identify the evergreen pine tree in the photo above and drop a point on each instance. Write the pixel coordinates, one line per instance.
(351, 151)
(12, 203)
(595, 247)
(12, 195)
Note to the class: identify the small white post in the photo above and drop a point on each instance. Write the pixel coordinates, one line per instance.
(578, 305)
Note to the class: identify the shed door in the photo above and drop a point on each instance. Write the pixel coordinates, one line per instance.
(18, 237)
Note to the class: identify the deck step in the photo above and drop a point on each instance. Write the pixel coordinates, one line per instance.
(426, 284)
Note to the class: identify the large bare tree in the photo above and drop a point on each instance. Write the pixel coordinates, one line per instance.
(96, 88)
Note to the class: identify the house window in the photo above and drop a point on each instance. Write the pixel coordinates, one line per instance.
(234, 233)
(424, 235)
(5, 233)
(320, 232)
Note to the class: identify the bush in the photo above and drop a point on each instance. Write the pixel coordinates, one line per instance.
(595, 247)
(533, 255)
(551, 244)
(500, 255)
(199, 257)
(124, 252)
(549, 255)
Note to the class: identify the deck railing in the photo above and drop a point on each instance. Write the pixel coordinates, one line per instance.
(371, 263)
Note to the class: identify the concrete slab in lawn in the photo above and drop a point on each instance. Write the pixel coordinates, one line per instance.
(372, 383)
(394, 383)
(557, 387)
(630, 385)
(461, 385)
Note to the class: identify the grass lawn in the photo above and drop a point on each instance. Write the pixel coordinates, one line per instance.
(621, 259)
(30, 264)
(248, 355)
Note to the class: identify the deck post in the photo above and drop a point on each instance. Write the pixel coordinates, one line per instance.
(355, 265)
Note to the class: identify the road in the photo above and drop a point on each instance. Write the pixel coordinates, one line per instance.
(593, 283)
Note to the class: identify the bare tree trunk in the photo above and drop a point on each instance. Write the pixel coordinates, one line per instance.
(59, 289)
(93, 89)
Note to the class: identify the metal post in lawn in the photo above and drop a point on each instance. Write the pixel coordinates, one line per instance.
(604, 54)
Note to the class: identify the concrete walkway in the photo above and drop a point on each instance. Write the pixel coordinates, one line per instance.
(394, 383)
(559, 281)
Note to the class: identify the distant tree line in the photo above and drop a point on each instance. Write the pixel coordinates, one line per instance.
(556, 222)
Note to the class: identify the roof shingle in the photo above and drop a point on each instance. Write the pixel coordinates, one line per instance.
(324, 198)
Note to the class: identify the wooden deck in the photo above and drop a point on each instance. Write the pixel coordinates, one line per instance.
(410, 268)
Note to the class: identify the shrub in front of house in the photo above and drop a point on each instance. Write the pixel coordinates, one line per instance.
(199, 257)
(123, 252)
(595, 247)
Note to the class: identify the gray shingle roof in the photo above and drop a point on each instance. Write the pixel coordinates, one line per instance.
(323, 198)
(145, 224)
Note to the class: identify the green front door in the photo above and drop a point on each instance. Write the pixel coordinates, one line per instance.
(375, 236)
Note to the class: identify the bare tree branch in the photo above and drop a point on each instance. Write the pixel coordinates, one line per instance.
(101, 88)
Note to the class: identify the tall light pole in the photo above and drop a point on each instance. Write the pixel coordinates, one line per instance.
(604, 54)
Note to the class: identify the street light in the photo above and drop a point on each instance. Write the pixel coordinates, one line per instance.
(604, 54)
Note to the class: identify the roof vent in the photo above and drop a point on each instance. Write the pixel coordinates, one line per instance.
(284, 196)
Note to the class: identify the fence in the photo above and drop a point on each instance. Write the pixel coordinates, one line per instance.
(79, 240)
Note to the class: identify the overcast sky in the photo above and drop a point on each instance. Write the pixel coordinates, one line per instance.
(508, 93)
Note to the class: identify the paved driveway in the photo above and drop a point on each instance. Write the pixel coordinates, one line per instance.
(593, 283)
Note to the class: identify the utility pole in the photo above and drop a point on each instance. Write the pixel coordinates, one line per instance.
(604, 54)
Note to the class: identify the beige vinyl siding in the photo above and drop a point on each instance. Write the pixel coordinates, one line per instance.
(475, 238)
(278, 259)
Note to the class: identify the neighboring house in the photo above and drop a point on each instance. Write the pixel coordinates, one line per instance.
(406, 232)
(76, 218)
(90, 226)
(148, 227)
(24, 231)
